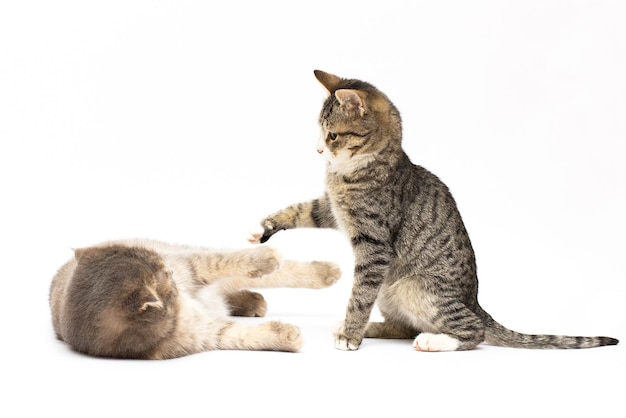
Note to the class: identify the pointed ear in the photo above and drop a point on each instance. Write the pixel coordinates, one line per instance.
(329, 81)
(351, 100)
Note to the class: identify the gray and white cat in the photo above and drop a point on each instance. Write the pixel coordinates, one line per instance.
(413, 256)
(146, 299)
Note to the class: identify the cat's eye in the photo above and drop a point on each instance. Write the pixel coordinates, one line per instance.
(332, 136)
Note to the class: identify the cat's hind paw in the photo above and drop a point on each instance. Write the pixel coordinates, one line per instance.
(435, 342)
(288, 337)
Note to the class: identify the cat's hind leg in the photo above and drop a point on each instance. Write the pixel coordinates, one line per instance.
(446, 324)
(388, 330)
(268, 336)
(455, 327)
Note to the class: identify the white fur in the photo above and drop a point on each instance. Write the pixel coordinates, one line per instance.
(340, 342)
(435, 342)
(343, 163)
(255, 233)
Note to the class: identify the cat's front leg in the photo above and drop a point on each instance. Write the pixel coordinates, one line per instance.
(251, 263)
(312, 214)
(259, 261)
(344, 340)
(372, 260)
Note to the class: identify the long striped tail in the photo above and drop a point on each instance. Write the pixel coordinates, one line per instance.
(498, 335)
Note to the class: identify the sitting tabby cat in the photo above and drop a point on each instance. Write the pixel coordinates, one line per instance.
(150, 300)
(413, 256)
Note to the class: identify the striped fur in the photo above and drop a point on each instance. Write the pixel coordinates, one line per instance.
(413, 255)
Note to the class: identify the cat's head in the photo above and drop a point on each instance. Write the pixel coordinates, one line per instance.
(358, 122)
(124, 299)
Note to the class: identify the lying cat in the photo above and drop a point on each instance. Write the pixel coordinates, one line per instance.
(151, 300)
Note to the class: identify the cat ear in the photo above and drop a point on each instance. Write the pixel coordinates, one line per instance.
(351, 100)
(329, 81)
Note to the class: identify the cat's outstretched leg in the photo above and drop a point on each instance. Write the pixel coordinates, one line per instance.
(211, 266)
(312, 214)
(292, 274)
(270, 336)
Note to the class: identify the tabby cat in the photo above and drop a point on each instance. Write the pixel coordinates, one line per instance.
(413, 256)
(146, 299)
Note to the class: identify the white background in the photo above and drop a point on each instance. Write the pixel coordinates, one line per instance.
(186, 121)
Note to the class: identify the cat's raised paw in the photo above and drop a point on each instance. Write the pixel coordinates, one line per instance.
(435, 342)
(262, 232)
(255, 234)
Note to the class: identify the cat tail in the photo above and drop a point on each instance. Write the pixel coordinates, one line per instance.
(498, 335)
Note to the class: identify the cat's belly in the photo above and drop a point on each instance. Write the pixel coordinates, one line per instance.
(403, 301)
(210, 302)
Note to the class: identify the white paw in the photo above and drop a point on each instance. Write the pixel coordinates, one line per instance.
(255, 233)
(435, 342)
(343, 345)
(341, 341)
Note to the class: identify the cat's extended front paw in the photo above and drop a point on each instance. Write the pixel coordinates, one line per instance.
(262, 232)
(327, 272)
(345, 342)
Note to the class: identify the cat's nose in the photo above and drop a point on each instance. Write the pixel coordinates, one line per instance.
(320, 150)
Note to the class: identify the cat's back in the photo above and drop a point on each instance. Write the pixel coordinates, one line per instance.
(432, 225)
(420, 189)
(58, 293)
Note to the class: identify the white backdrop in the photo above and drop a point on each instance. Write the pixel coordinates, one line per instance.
(187, 121)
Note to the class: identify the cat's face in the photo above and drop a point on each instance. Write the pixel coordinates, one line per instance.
(354, 122)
